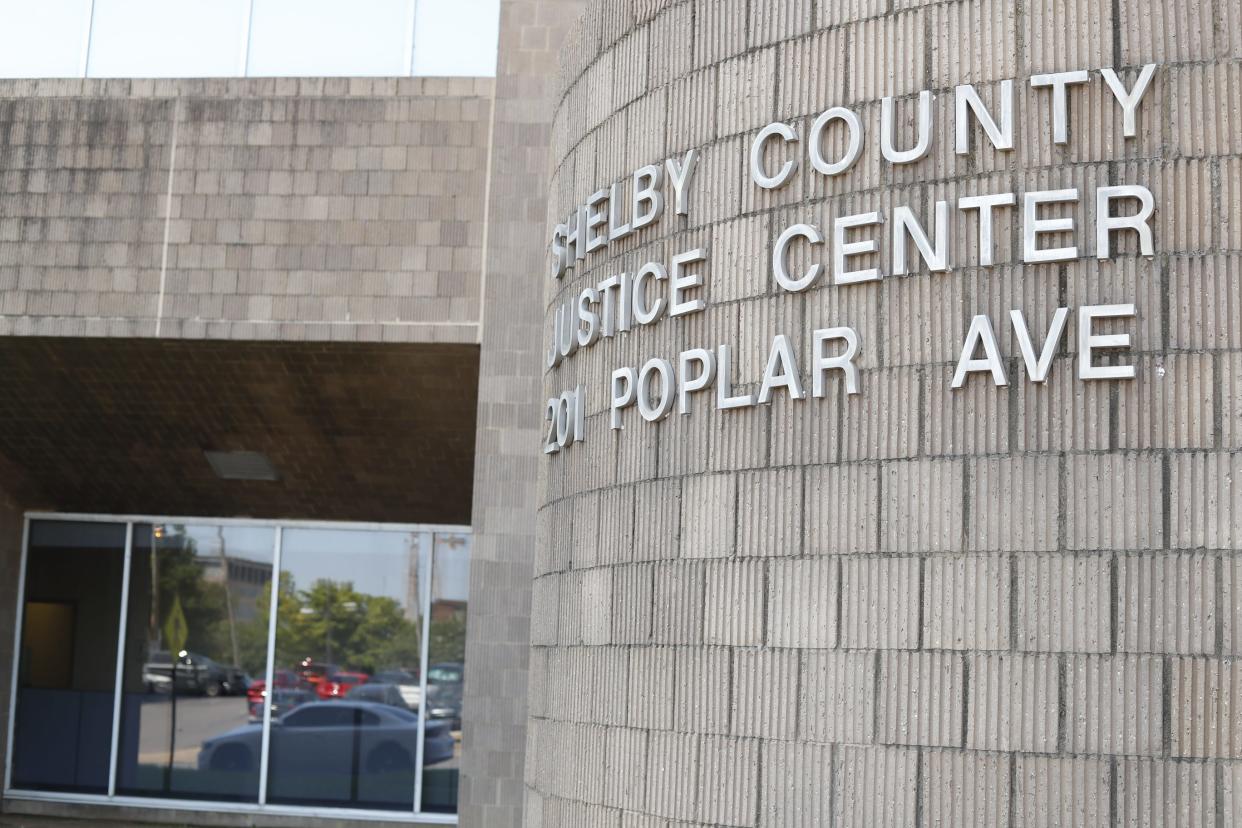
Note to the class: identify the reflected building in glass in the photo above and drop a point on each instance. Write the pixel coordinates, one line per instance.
(265, 475)
(326, 686)
(237, 573)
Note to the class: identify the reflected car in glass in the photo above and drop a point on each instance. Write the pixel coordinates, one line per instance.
(283, 679)
(338, 685)
(449, 672)
(444, 702)
(191, 673)
(389, 694)
(314, 672)
(284, 700)
(406, 682)
(315, 736)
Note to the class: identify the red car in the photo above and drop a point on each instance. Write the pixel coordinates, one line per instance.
(283, 679)
(338, 684)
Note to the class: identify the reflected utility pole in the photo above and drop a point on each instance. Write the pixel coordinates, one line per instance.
(228, 597)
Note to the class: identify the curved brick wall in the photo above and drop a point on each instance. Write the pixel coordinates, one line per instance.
(1015, 605)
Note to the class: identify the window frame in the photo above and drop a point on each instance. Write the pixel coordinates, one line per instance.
(202, 805)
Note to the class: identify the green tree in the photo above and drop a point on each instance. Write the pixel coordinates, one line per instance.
(447, 640)
(331, 623)
(202, 603)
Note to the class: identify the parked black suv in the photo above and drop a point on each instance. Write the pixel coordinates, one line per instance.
(194, 674)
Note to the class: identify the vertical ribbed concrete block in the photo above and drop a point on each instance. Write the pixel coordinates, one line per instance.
(1061, 791)
(769, 512)
(652, 688)
(616, 526)
(701, 690)
(1167, 603)
(1202, 299)
(544, 613)
(966, 602)
(1013, 605)
(1002, 522)
(1231, 604)
(728, 781)
(709, 516)
(673, 775)
(814, 69)
(657, 520)
(677, 607)
(585, 550)
(1115, 705)
(793, 788)
(965, 790)
(1063, 602)
(1153, 793)
(1206, 500)
(880, 602)
(1231, 397)
(921, 699)
(747, 84)
(1115, 502)
(596, 603)
(777, 22)
(569, 626)
(625, 769)
(1174, 404)
(733, 604)
(802, 603)
(611, 697)
(922, 507)
(841, 509)
(1205, 697)
(632, 591)
(836, 700)
(1013, 702)
(1232, 794)
(765, 693)
(874, 785)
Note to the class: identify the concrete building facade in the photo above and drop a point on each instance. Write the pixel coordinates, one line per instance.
(291, 268)
(831, 595)
(323, 272)
(284, 267)
(837, 407)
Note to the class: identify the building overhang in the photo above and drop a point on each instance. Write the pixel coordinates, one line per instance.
(352, 431)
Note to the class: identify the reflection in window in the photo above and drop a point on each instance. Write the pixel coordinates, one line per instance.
(348, 626)
(446, 655)
(66, 678)
(363, 684)
(196, 635)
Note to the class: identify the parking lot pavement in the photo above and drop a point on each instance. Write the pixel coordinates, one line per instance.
(198, 719)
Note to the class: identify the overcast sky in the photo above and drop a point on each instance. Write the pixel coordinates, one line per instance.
(377, 563)
(207, 38)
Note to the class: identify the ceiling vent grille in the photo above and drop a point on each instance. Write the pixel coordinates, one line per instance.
(241, 465)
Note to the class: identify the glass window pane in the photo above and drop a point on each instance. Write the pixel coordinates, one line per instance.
(66, 678)
(456, 37)
(162, 39)
(348, 644)
(44, 39)
(312, 38)
(196, 638)
(446, 671)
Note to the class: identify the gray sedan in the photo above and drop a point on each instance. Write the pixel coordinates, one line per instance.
(350, 737)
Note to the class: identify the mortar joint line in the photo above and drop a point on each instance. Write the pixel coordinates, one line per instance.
(168, 197)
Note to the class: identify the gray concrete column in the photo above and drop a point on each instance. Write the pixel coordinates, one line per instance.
(993, 605)
(505, 498)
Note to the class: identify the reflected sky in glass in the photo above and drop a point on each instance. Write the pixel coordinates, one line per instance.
(207, 38)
